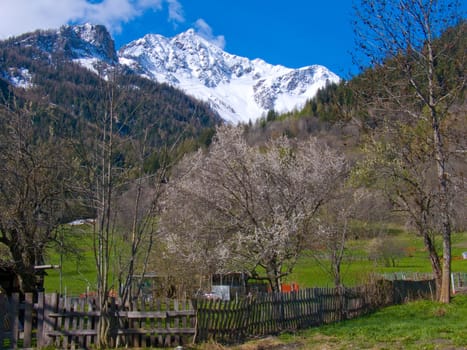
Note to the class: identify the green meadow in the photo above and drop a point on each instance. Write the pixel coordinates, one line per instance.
(78, 263)
(358, 268)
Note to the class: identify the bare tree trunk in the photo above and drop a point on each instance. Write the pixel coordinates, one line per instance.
(435, 262)
(337, 274)
(274, 277)
(445, 293)
(104, 227)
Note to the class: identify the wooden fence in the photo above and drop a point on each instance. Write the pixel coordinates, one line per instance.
(70, 323)
(273, 313)
(459, 282)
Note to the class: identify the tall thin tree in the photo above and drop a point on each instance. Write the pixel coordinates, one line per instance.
(414, 78)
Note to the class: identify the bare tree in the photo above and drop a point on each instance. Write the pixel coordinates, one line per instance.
(105, 180)
(125, 200)
(33, 188)
(332, 228)
(415, 77)
(138, 207)
(403, 169)
(102, 179)
(241, 207)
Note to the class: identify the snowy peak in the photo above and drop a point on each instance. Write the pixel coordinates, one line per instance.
(83, 43)
(238, 88)
(89, 45)
(90, 41)
(185, 56)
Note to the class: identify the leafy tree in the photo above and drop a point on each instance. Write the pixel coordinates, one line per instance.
(411, 81)
(402, 167)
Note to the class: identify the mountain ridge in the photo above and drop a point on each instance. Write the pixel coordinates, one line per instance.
(237, 88)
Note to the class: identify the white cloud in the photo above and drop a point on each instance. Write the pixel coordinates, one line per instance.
(20, 16)
(175, 11)
(203, 29)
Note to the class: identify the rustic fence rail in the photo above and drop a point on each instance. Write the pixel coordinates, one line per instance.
(276, 312)
(72, 323)
(273, 313)
(459, 282)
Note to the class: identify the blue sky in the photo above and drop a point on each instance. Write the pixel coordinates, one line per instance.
(293, 33)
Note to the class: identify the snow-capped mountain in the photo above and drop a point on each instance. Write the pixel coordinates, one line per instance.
(239, 89)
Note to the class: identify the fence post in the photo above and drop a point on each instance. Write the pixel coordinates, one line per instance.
(3, 315)
(49, 307)
(40, 319)
(27, 334)
(14, 319)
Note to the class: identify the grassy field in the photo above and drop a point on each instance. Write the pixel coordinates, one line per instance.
(418, 325)
(79, 267)
(78, 263)
(357, 268)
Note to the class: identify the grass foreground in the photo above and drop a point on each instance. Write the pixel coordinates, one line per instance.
(416, 325)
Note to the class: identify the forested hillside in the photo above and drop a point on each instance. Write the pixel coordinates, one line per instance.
(46, 78)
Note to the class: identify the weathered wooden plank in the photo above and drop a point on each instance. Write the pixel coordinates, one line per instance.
(4, 321)
(144, 331)
(40, 318)
(135, 314)
(50, 306)
(74, 322)
(71, 314)
(14, 319)
(80, 306)
(90, 323)
(168, 340)
(71, 332)
(28, 306)
(159, 321)
(180, 313)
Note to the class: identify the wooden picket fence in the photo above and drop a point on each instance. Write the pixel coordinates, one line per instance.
(72, 323)
(272, 313)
